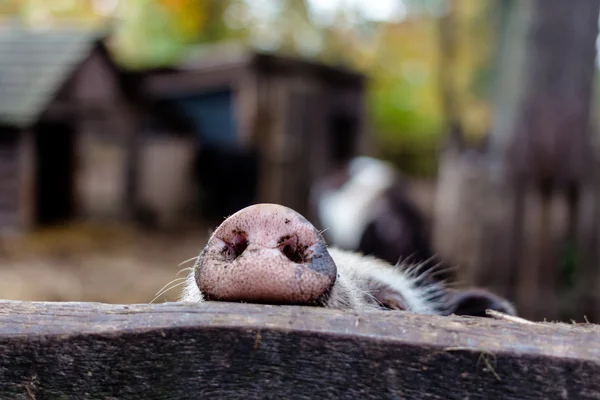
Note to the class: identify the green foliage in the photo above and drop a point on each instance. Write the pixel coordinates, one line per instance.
(403, 95)
(159, 32)
(146, 35)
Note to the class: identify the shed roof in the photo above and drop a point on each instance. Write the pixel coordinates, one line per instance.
(34, 64)
(229, 54)
(218, 64)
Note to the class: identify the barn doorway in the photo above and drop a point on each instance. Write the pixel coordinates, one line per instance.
(227, 179)
(54, 154)
(226, 172)
(343, 135)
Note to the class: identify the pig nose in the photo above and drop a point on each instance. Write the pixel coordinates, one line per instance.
(266, 253)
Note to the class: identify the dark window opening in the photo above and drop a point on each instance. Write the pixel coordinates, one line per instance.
(165, 118)
(342, 135)
(54, 153)
(213, 116)
(8, 138)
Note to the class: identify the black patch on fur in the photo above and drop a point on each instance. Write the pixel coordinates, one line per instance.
(412, 242)
(474, 302)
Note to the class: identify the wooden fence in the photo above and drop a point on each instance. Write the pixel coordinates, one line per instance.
(225, 350)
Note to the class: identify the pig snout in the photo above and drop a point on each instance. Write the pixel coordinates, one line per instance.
(266, 253)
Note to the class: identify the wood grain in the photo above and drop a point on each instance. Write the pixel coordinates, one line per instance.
(226, 350)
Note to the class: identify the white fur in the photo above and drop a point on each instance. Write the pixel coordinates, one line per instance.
(354, 282)
(359, 270)
(346, 211)
(191, 292)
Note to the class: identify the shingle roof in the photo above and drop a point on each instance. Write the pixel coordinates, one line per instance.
(33, 66)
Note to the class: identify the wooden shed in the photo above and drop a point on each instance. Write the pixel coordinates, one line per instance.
(70, 124)
(63, 120)
(267, 125)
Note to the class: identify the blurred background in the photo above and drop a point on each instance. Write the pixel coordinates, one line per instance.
(464, 129)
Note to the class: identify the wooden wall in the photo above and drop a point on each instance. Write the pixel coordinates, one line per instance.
(167, 188)
(9, 179)
(297, 145)
(106, 123)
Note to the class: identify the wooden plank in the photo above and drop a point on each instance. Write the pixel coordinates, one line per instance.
(225, 350)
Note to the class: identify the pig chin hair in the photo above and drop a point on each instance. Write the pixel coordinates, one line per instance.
(191, 293)
(357, 278)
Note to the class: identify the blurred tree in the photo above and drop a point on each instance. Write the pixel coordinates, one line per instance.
(9, 8)
(431, 67)
(157, 32)
(499, 207)
(146, 35)
(404, 92)
(466, 64)
(46, 13)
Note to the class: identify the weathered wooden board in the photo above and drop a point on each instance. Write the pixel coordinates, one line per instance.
(225, 350)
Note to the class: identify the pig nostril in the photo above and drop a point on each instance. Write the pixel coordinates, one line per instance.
(292, 249)
(237, 245)
(289, 251)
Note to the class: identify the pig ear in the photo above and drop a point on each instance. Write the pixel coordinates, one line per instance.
(474, 302)
(389, 298)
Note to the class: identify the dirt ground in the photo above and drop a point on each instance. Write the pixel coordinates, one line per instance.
(110, 264)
